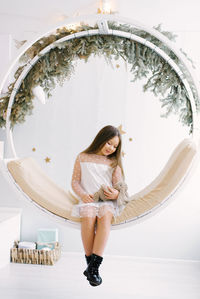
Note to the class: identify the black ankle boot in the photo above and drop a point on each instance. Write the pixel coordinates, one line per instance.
(88, 259)
(93, 270)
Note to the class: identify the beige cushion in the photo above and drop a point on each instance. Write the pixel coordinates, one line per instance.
(164, 184)
(41, 189)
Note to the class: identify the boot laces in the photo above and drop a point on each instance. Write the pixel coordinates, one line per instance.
(94, 271)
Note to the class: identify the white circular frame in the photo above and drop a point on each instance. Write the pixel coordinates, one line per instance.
(104, 30)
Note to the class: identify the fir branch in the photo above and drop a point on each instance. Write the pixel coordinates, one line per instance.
(57, 65)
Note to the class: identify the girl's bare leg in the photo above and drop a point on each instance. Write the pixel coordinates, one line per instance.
(100, 239)
(88, 233)
(102, 233)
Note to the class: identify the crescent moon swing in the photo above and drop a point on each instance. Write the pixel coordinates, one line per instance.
(27, 177)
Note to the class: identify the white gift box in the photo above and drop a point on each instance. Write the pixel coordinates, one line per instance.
(27, 245)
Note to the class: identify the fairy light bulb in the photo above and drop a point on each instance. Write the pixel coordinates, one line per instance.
(106, 7)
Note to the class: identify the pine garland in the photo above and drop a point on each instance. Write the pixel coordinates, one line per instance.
(57, 65)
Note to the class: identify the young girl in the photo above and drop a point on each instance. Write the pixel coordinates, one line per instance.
(99, 164)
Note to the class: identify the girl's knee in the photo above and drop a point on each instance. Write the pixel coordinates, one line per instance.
(89, 220)
(105, 213)
(105, 219)
(88, 224)
(88, 212)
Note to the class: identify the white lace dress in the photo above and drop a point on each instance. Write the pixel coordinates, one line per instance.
(90, 172)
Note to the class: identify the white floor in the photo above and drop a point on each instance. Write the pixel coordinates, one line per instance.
(123, 278)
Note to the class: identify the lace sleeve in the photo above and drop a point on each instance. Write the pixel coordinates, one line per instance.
(117, 175)
(76, 179)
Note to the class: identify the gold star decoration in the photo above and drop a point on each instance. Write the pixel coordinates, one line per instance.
(47, 160)
(117, 66)
(33, 149)
(130, 139)
(18, 43)
(120, 130)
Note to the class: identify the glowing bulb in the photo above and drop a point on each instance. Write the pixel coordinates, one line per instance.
(106, 7)
(73, 26)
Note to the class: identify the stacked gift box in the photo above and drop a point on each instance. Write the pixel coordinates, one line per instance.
(45, 251)
(47, 238)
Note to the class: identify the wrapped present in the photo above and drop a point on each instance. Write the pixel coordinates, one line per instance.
(27, 245)
(46, 246)
(47, 235)
(35, 256)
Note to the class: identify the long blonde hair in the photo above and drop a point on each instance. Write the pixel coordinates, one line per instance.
(104, 135)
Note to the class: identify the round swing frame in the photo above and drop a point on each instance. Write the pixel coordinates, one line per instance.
(103, 29)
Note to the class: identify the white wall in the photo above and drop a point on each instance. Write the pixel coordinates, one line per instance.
(173, 232)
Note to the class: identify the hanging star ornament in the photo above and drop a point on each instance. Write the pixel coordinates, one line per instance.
(33, 149)
(19, 43)
(121, 130)
(47, 160)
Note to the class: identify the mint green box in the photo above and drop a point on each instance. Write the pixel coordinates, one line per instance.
(47, 235)
(41, 246)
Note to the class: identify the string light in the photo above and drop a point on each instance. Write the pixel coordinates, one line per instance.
(73, 26)
(105, 7)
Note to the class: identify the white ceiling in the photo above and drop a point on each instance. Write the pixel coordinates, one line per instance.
(23, 18)
(39, 9)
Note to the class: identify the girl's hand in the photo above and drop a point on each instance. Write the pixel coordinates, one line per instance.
(87, 198)
(111, 193)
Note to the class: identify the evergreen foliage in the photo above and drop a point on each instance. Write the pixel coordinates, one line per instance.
(57, 65)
